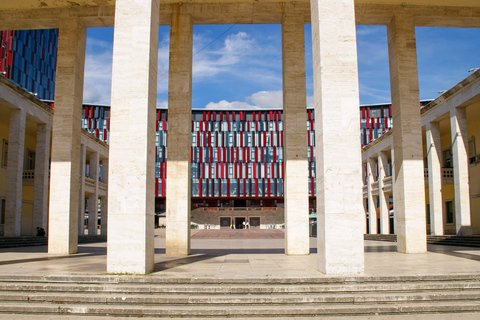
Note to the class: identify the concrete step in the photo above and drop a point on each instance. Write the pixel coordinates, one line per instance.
(151, 280)
(290, 310)
(22, 242)
(237, 288)
(464, 241)
(238, 299)
(102, 295)
(381, 237)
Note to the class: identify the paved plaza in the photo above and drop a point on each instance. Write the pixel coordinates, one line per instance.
(242, 254)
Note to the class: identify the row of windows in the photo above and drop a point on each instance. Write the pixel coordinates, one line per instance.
(375, 123)
(237, 154)
(252, 170)
(215, 126)
(237, 139)
(237, 188)
(271, 115)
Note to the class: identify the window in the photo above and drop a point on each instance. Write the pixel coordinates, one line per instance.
(225, 222)
(254, 221)
(2, 211)
(447, 158)
(449, 212)
(472, 153)
(4, 153)
(30, 160)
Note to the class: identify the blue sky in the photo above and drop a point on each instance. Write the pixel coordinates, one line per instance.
(241, 65)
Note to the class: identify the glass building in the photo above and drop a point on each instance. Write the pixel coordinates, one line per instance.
(28, 57)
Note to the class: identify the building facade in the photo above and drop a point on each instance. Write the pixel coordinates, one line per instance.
(25, 131)
(450, 161)
(28, 58)
(236, 161)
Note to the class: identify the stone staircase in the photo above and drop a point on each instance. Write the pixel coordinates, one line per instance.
(381, 237)
(464, 241)
(42, 241)
(22, 242)
(155, 296)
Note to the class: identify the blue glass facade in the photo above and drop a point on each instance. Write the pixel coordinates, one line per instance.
(28, 57)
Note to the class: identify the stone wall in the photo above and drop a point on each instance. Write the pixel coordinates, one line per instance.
(270, 218)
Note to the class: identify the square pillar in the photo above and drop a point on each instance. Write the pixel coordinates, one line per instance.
(179, 134)
(66, 135)
(13, 195)
(81, 194)
(42, 167)
(434, 178)
(461, 180)
(104, 215)
(409, 188)
(338, 162)
(295, 130)
(131, 201)
(104, 200)
(372, 204)
(383, 199)
(93, 198)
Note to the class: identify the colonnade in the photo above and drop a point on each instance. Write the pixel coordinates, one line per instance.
(336, 98)
(21, 108)
(446, 164)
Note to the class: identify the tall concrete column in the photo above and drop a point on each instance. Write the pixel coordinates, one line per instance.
(338, 161)
(372, 204)
(458, 127)
(13, 195)
(295, 130)
(131, 174)
(409, 186)
(178, 138)
(434, 178)
(382, 199)
(104, 200)
(93, 198)
(392, 161)
(104, 215)
(42, 167)
(81, 194)
(63, 202)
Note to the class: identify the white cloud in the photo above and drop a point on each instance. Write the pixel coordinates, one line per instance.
(310, 102)
(162, 104)
(98, 72)
(258, 100)
(267, 99)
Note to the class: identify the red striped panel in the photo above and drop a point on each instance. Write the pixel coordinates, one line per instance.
(156, 187)
(254, 170)
(200, 185)
(268, 186)
(312, 193)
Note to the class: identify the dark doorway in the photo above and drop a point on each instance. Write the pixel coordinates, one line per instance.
(239, 222)
(240, 203)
